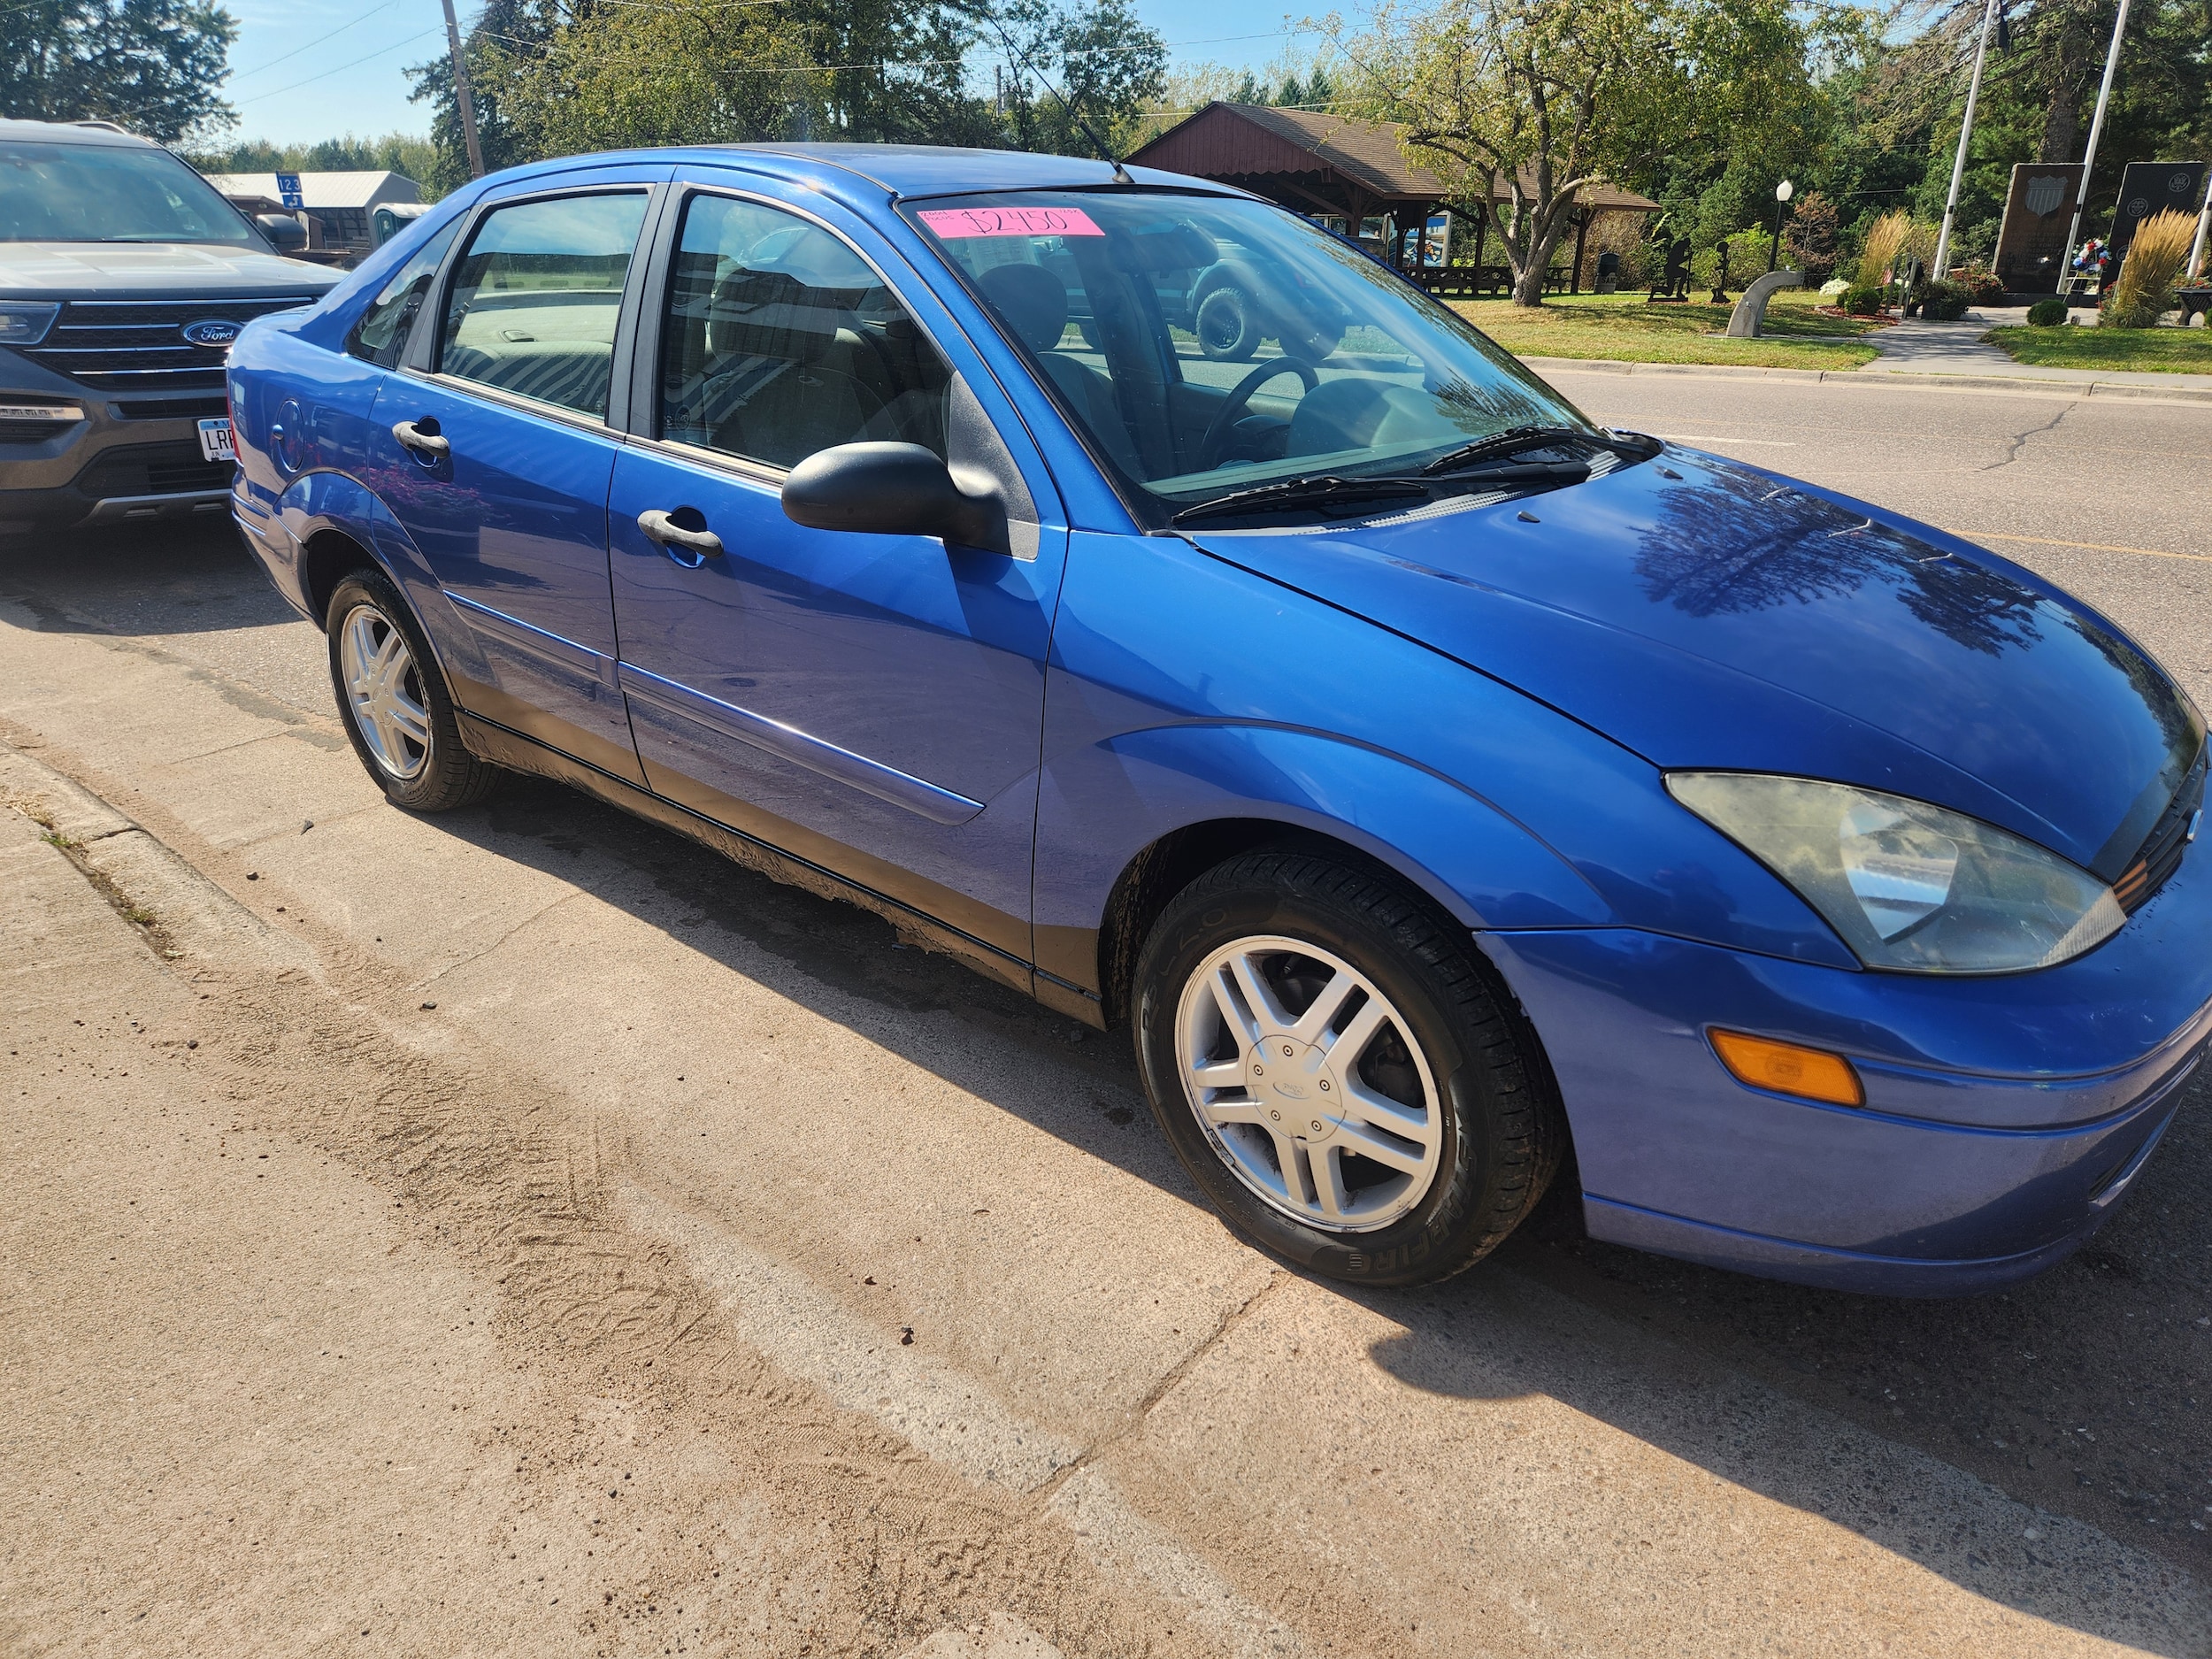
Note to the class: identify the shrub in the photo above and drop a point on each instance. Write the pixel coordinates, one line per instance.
(2046, 313)
(2144, 291)
(1982, 285)
(1945, 301)
(1833, 288)
(1862, 301)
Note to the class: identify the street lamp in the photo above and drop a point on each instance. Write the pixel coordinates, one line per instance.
(1782, 193)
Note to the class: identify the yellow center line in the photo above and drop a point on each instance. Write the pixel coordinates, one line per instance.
(2087, 547)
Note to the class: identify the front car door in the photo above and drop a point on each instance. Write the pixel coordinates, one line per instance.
(494, 450)
(872, 703)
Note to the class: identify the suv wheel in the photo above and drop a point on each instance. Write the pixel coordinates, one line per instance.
(1330, 1065)
(394, 701)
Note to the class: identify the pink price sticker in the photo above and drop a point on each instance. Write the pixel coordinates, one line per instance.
(955, 223)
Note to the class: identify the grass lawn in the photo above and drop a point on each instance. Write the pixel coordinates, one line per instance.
(2174, 351)
(1626, 329)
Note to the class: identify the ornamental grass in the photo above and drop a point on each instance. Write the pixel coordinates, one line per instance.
(2144, 291)
(1885, 241)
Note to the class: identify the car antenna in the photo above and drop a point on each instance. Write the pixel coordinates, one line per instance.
(1121, 173)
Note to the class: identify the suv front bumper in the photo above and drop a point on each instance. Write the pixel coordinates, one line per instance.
(124, 460)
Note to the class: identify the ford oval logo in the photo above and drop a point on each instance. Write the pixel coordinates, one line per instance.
(212, 331)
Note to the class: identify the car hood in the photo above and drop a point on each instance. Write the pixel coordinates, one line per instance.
(1707, 614)
(152, 269)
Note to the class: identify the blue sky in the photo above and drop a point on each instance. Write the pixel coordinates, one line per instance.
(302, 71)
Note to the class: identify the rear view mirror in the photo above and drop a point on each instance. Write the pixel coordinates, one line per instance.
(285, 234)
(895, 489)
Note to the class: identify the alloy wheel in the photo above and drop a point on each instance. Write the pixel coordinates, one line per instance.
(384, 690)
(1309, 1084)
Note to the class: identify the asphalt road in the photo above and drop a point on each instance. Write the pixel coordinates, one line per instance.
(1903, 1427)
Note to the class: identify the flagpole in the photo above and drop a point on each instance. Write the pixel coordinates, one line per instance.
(2096, 131)
(2204, 223)
(1966, 132)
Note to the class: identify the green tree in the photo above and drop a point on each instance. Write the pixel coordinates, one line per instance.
(154, 66)
(404, 153)
(1542, 98)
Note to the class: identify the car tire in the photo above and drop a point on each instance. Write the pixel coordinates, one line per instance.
(393, 700)
(1228, 330)
(1447, 1082)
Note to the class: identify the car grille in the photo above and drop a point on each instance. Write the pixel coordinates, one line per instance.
(2170, 838)
(120, 346)
(154, 468)
(172, 407)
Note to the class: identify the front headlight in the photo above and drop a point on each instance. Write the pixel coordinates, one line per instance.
(24, 322)
(1908, 885)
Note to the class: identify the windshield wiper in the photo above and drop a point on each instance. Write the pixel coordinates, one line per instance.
(1321, 490)
(1634, 445)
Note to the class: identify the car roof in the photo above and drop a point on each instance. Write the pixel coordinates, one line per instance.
(902, 170)
(72, 133)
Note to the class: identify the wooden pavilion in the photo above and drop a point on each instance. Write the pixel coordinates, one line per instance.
(1327, 166)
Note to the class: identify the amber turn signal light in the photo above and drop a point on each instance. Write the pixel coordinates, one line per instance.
(1787, 1069)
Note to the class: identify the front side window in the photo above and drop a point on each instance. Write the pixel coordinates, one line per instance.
(1208, 345)
(381, 335)
(536, 300)
(110, 193)
(779, 341)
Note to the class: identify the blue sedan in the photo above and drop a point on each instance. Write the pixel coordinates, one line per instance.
(1126, 586)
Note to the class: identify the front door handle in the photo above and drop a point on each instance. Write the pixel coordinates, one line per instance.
(661, 528)
(421, 436)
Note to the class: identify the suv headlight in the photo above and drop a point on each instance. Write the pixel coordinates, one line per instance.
(23, 323)
(1908, 885)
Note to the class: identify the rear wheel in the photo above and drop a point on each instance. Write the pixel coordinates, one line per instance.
(1227, 330)
(394, 701)
(1330, 1063)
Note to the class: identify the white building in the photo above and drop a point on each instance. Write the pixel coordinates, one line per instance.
(342, 202)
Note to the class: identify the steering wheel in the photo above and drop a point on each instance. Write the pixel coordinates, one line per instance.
(1217, 437)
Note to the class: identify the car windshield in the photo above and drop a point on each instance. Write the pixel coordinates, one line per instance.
(1209, 345)
(108, 193)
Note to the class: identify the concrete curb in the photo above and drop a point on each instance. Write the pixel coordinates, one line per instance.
(2020, 385)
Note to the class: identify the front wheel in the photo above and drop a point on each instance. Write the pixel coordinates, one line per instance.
(1329, 1061)
(394, 701)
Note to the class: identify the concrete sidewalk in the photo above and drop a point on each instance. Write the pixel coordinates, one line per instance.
(1915, 347)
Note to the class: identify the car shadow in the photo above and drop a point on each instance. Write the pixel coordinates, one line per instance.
(2080, 1393)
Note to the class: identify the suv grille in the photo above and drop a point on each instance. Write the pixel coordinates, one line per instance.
(118, 345)
(154, 468)
(2163, 848)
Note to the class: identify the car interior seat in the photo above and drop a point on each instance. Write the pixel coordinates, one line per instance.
(1034, 303)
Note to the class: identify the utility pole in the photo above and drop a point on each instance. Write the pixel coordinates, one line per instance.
(2096, 131)
(468, 105)
(1966, 132)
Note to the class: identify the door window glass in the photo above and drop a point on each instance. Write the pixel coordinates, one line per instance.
(779, 341)
(533, 304)
(381, 335)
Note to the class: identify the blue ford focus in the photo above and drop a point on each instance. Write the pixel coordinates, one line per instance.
(1126, 586)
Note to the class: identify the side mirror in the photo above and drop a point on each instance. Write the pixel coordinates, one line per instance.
(895, 489)
(285, 234)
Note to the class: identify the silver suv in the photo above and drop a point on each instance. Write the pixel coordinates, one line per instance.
(124, 278)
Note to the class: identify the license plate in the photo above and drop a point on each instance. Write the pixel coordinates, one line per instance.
(215, 441)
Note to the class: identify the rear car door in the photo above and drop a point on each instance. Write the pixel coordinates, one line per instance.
(493, 447)
(871, 702)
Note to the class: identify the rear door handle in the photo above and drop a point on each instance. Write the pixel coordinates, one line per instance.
(661, 529)
(422, 438)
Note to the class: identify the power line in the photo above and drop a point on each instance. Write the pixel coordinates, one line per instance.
(341, 68)
(383, 6)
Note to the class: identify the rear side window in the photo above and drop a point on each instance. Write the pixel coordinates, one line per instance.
(780, 340)
(380, 334)
(534, 303)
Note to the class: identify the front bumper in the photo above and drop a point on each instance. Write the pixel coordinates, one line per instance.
(2005, 1116)
(131, 458)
